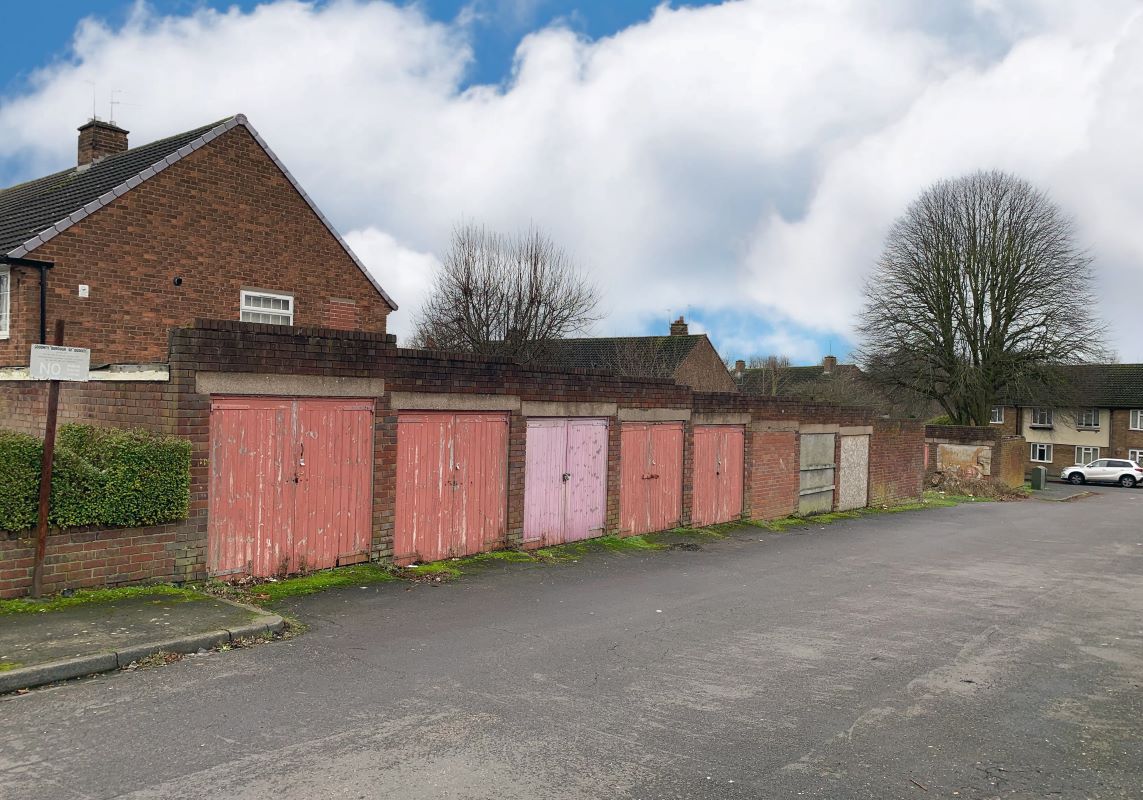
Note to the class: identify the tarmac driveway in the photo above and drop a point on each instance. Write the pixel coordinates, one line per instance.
(993, 650)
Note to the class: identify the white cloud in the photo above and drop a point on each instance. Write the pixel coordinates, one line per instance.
(745, 157)
(406, 274)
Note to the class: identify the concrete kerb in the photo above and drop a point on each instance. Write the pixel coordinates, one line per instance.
(67, 669)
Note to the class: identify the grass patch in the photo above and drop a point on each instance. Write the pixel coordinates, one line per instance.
(7, 666)
(442, 569)
(272, 592)
(163, 593)
(608, 544)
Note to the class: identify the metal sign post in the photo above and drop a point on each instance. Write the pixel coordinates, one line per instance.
(53, 363)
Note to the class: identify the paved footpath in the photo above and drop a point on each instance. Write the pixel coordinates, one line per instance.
(990, 651)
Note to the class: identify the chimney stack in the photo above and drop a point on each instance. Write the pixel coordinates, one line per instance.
(828, 363)
(99, 139)
(679, 327)
(739, 366)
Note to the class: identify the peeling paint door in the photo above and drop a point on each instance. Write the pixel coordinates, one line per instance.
(290, 484)
(451, 484)
(816, 484)
(718, 473)
(565, 480)
(651, 476)
(853, 484)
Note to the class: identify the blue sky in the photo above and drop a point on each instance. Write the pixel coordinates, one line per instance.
(738, 163)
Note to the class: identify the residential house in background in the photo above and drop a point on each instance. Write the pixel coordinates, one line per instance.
(689, 359)
(1104, 421)
(205, 224)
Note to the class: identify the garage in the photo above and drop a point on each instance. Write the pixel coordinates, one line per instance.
(651, 476)
(565, 480)
(718, 473)
(451, 484)
(291, 484)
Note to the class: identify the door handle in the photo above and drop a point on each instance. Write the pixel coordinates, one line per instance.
(566, 477)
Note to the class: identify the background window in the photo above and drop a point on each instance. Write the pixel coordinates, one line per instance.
(5, 300)
(1085, 455)
(997, 415)
(275, 309)
(1137, 419)
(1042, 417)
(1042, 452)
(1135, 455)
(1088, 418)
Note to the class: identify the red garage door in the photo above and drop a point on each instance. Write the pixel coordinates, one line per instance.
(452, 474)
(291, 484)
(651, 476)
(718, 460)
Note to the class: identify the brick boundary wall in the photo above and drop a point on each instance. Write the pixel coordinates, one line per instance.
(210, 347)
(1009, 452)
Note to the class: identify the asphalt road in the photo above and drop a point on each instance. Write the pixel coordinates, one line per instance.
(991, 651)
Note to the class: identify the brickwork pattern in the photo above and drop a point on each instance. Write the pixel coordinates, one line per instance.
(771, 476)
(221, 220)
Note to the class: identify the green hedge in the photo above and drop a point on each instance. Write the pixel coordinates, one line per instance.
(102, 476)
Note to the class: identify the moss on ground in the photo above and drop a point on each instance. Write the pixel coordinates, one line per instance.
(275, 591)
(5, 666)
(163, 593)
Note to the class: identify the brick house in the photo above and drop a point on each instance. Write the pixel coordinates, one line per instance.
(207, 223)
(689, 359)
(1105, 420)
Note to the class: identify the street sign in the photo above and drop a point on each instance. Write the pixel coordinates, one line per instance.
(56, 363)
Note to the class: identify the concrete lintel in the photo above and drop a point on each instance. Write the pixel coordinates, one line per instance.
(448, 401)
(721, 418)
(654, 414)
(856, 430)
(818, 428)
(552, 408)
(768, 425)
(286, 385)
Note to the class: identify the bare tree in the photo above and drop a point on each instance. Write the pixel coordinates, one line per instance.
(767, 375)
(504, 295)
(980, 294)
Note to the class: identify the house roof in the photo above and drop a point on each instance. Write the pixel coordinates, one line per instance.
(35, 212)
(792, 378)
(649, 356)
(1107, 385)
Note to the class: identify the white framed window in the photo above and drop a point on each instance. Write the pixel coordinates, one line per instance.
(5, 301)
(1087, 418)
(1136, 456)
(1042, 453)
(1086, 455)
(996, 416)
(1041, 417)
(268, 307)
(1137, 419)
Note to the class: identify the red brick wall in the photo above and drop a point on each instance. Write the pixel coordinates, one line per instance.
(896, 461)
(774, 489)
(771, 477)
(1122, 437)
(703, 370)
(81, 558)
(222, 219)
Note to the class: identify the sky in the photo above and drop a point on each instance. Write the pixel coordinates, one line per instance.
(738, 163)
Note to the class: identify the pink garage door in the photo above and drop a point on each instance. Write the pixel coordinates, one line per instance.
(451, 485)
(565, 480)
(718, 459)
(291, 484)
(651, 476)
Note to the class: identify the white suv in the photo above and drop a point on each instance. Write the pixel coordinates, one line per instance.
(1105, 470)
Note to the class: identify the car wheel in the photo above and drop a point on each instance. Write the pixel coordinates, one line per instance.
(1127, 481)
(1076, 478)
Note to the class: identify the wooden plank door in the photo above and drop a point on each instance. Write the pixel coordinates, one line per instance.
(251, 487)
(545, 464)
(815, 495)
(634, 477)
(667, 467)
(480, 488)
(718, 474)
(423, 523)
(585, 508)
(334, 502)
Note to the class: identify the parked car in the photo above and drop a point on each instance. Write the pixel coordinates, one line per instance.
(1105, 470)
